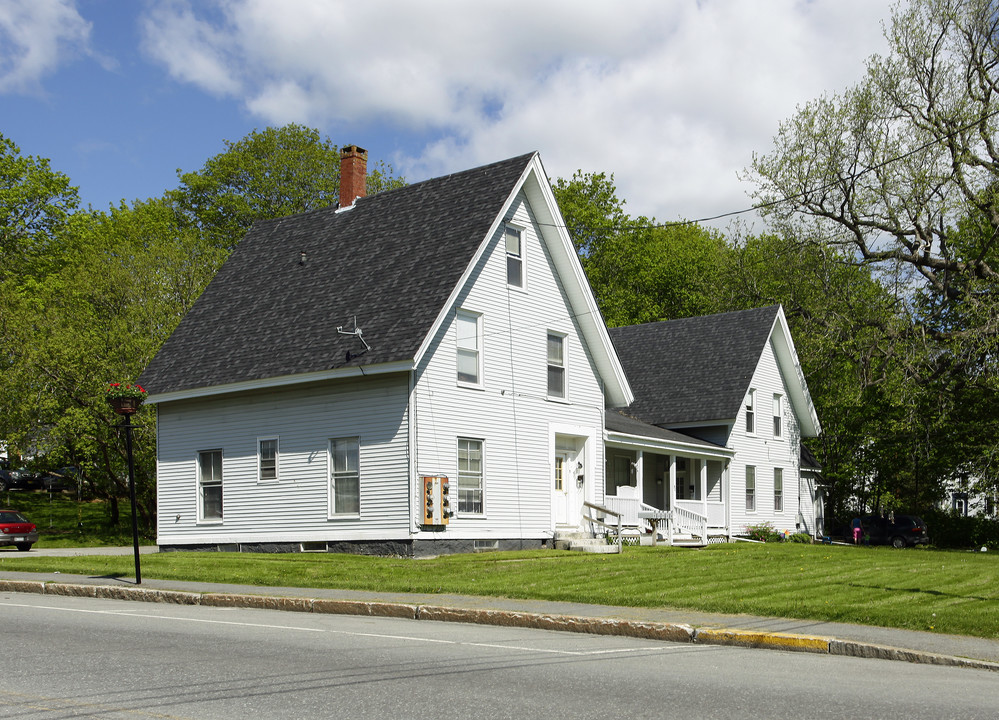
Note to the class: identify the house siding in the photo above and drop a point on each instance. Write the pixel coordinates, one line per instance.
(765, 452)
(510, 413)
(294, 508)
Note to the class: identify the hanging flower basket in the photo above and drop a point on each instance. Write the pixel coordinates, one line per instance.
(125, 399)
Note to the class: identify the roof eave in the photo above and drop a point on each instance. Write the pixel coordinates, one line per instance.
(787, 359)
(706, 449)
(617, 390)
(282, 381)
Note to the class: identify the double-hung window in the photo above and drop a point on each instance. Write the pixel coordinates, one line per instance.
(514, 257)
(345, 476)
(469, 332)
(778, 414)
(210, 484)
(750, 488)
(556, 365)
(778, 490)
(751, 412)
(470, 476)
(267, 459)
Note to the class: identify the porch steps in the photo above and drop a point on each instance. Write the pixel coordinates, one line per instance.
(583, 542)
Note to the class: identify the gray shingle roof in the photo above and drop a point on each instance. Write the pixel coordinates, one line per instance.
(693, 370)
(392, 261)
(619, 421)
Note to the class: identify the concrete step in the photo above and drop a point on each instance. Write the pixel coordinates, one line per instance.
(583, 542)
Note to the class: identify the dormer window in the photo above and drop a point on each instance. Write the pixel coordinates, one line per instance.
(514, 257)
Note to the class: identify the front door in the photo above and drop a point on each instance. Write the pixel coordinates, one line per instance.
(560, 489)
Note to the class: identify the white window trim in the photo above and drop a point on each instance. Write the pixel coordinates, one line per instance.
(331, 481)
(756, 490)
(202, 520)
(564, 398)
(778, 414)
(277, 459)
(482, 480)
(750, 407)
(469, 314)
(520, 230)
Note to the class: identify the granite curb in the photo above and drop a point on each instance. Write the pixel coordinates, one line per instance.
(664, 631)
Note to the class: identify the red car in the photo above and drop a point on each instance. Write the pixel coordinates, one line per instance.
(17, 531)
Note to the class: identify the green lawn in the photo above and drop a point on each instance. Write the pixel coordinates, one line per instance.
(934, 590)
(64, 522)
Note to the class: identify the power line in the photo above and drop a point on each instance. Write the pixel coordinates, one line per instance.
(805, 193)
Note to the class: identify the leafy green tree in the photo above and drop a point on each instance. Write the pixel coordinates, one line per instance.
(901, 172)
(35, 204)
(267, 174)
(640, 271)
(100, 318)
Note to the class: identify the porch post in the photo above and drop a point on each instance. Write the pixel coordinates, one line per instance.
(640, 475)
(704, 487)
(671, 500)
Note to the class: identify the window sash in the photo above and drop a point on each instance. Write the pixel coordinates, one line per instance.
(470, 476)
(777, 416)
(210, 484)
(750, 488)
(514, 258)
(751, 412)
(778, 490)
(268, 451)
(556, 366)
(467, 326)
(345, 476)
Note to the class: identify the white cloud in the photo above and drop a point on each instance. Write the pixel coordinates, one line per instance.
(671, 97)
(35, 37)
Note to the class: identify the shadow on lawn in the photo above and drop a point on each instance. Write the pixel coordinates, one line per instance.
(919, 590)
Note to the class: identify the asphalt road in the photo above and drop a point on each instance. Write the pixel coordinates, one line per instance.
(86, 657)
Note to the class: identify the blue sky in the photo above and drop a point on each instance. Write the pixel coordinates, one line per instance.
(671, 97)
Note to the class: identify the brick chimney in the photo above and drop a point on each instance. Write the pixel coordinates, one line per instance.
(353, 174)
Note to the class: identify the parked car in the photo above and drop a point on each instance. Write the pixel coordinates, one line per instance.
(898, 531)
(4, 479)
(22, 479)
(62, 479)
(16, 530)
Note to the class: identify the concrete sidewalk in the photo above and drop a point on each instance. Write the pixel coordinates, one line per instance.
(662, 624)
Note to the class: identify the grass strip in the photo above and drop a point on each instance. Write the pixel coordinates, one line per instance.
(933, 590)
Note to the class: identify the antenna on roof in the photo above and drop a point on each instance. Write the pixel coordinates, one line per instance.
(356, 332)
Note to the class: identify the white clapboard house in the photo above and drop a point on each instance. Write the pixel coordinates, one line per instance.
(732, 380)
(420, 371)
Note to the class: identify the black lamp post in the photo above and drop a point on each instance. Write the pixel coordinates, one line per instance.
(126, 407)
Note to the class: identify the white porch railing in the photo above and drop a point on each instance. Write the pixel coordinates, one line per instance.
(679, 521)
(688, 522)
(715, 511)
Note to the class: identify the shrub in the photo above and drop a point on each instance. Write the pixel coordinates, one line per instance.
(764, 532)
(800, 538)
(948, 530)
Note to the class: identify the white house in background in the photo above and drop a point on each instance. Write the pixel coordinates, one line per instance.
(469, 413)
(733, 382)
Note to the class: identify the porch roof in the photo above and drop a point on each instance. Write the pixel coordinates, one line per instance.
(632, 431)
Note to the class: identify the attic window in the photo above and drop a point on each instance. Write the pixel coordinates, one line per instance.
(514, 257)
(469, 357)
(751, 412)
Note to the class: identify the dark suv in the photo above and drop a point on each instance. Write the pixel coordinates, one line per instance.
(900, 531)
